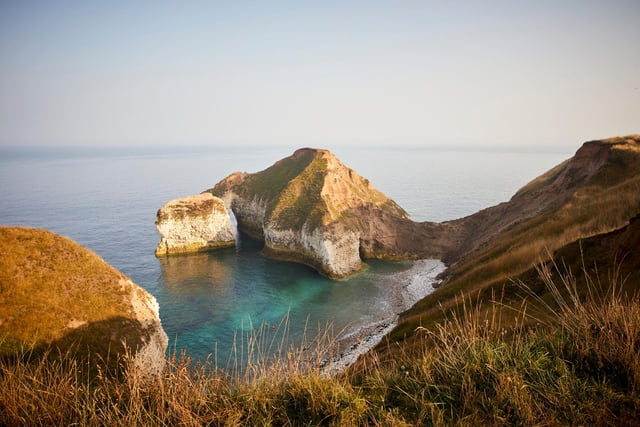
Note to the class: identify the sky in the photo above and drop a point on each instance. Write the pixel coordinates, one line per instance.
(318, 73)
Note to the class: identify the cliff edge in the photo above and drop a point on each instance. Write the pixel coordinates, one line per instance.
(595, 192)
(311, 208)
(57, 295)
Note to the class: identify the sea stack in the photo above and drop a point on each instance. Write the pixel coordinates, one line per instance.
(194, 224)
(312, 209)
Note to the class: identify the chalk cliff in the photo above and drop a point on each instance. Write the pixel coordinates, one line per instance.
(56, 294)
(311, 208)
(194, 224)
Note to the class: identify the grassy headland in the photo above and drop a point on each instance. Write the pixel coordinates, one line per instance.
(597, 191)
(49, 285)
(58, 298)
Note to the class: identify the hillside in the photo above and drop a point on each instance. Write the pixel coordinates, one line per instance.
(56, 295)
(595, 192)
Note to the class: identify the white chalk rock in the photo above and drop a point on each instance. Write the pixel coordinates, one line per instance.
(194, 224)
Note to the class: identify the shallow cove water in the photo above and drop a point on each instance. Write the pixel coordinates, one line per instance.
(107, 200)
(233, 290)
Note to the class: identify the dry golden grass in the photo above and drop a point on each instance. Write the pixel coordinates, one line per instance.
(605, 204)
(579, 368)
(50, 283)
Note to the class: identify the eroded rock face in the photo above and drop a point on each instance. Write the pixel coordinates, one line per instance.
(194, 224)
(333, 250)
(311, 208)
(149, 360)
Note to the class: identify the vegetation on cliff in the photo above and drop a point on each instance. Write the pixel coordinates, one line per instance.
(597, 191)
(293, 190)
(300, 201)
(58, 297)
(311, 208)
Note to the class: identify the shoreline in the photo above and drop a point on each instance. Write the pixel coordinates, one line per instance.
(410, 287)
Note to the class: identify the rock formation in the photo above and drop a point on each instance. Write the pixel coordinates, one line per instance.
(56, 294)
(194, 224)
(312, 209)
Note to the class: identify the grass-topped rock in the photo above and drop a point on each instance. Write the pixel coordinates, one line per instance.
(60, 299)
(311, 208)
(195, 223)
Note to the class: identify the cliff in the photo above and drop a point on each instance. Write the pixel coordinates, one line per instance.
(577, 185)
(193, 224)
(311, 208)
(595, 192)
(55, 294)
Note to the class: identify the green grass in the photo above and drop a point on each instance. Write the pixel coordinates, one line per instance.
(269, 183)
(291, 189)
(300, 201)
(581, 366)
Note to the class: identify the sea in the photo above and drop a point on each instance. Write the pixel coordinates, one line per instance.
(106, 199)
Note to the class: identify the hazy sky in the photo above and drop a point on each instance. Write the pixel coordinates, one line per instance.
(319, 73)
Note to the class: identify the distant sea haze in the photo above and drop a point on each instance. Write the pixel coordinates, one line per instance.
(107, 201)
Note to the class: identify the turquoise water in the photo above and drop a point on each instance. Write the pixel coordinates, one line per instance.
(107, 200)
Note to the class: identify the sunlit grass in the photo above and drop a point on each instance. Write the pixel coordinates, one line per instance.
(55, 284)
(580, 366)
(607, 203)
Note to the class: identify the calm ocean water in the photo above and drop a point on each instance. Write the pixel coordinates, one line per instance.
(107, 201)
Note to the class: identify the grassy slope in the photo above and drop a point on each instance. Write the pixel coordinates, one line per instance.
(606, 202)
(300, 201)
(581, 368)
(292, 188)
(48, 282)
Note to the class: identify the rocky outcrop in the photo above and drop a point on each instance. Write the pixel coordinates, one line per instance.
(311, 208)
(55, 294)
(194, 224)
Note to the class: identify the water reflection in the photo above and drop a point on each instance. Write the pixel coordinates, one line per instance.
(207, 298)
(212, 271)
